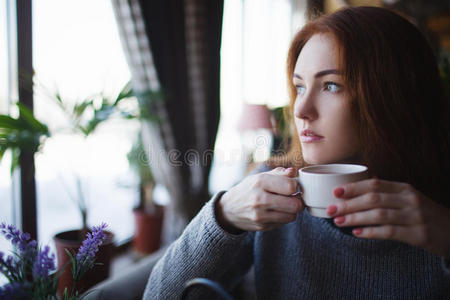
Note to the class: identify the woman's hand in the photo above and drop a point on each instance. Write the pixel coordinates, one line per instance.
(260, 202)
(398, 210)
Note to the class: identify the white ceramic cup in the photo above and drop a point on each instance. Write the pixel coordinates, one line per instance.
(319, 181)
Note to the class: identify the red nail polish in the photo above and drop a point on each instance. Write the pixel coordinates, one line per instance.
(339, 220)
(339, 192)
(331, 210)
(357, 231)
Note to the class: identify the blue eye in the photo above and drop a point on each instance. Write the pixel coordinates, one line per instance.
(300, 89)
(332, 87)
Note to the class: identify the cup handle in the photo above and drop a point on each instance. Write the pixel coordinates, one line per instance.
(299, 189)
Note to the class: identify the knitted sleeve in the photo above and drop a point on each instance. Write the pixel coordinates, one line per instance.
(446, 265)
(203, 250)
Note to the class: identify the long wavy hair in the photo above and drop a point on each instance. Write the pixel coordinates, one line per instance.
(396, 96)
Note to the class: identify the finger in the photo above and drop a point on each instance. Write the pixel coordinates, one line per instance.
(276, 217)
(283, 204)
(368, 201)
(274, 183)
(354, 189)
(407, 234)
(290, 172)
(380, 216)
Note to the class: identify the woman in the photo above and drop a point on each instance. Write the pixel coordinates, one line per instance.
(364, 89)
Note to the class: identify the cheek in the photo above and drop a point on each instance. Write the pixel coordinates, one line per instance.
(299, 124)
(341, 138)
(344, 133)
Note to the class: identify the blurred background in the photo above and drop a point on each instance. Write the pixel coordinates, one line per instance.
(148, 107)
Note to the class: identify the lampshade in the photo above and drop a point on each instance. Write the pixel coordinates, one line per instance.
(255, 116)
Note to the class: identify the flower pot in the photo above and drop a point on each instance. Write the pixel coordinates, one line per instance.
(72, 241)
(148, 225)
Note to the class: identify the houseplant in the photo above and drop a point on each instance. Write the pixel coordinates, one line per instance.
(84, 118)
(148, 215)
(31, 271)
(24, 133)
(87, 115)
(281, 132)
(27, 133)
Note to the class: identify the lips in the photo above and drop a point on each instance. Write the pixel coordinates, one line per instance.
(308, 132)
(309, 136)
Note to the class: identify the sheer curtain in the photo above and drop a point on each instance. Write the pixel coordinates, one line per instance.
(267, 31)
(255, 41)
(173, 47)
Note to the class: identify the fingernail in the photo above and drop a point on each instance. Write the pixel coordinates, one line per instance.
(339, 220)
(357, 231)
(339, 192)
(331, 210)
(290, 169)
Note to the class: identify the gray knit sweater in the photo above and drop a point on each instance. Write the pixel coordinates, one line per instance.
(310, 258)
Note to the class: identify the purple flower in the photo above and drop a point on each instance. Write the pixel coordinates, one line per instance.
(18, 239)
(29, 270)
(3, 266)
(15, 290)
(88, 250)
(44, 264)
(6, 266)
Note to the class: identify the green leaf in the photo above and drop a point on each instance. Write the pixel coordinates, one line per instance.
(58, 98)
(84, 130)
(27, 115)
(138, 161)
(15, 162)
(126, 92)
(73, 264)
(7, 122)
(2, 152)
(80, 108)
(66, 294)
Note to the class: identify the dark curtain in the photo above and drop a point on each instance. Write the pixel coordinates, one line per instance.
(173, 46)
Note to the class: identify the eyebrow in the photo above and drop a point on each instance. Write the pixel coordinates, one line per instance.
(321, 73)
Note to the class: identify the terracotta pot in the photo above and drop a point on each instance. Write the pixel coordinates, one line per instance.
(72, 240)
(147, 233)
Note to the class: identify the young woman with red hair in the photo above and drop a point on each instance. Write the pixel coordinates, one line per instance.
(364, 82)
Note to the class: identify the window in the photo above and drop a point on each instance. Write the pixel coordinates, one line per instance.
(255, 40)
(77, 52)
(6, 184)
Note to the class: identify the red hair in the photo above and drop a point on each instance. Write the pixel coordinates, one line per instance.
(396, 95)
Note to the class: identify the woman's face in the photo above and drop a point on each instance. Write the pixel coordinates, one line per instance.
(322, 112)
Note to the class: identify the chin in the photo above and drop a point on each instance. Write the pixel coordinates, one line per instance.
(316, 160)
(319, 160)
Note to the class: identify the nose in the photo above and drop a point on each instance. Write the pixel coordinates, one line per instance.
(305, 107)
